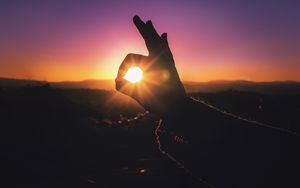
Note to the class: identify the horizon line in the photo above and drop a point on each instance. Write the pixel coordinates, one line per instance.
(218, 80)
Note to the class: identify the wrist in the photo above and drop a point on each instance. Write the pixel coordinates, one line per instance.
(179, 108)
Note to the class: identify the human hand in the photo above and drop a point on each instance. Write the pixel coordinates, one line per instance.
(160, 89)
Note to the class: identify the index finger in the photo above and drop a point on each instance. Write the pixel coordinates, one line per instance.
(140, 25)
(148, 32)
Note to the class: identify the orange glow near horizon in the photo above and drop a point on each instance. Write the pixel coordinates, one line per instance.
(46, 41)
(48, 69)
(105, 71)
(104, 65)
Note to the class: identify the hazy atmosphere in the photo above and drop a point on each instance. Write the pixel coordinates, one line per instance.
(143, 94)
(210, 40)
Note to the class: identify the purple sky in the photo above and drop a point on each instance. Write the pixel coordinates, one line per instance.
(77, 40)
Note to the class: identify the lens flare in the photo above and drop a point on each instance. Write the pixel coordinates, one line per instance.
(134, 74)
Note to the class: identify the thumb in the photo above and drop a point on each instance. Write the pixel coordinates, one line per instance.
(127, 88)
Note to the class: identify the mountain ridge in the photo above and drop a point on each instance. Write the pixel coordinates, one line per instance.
(277, 87)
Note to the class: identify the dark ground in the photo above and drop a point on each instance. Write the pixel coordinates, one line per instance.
(97, 138)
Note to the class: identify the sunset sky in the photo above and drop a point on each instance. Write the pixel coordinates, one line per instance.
(211, 40)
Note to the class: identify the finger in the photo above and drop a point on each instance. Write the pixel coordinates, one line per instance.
(127, 88)
(129, 61)
(153, 39)
(148, 32)
(165, 43)
(123, 85)
(140, 25)
(166, 48)
(151, 30)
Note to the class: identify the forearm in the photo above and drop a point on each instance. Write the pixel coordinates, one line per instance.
(197, 120)
(224, 146)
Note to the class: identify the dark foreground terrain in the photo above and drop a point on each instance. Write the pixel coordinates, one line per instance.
(97, 138)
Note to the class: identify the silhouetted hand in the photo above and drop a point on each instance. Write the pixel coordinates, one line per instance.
(161, 88)
(220, 148)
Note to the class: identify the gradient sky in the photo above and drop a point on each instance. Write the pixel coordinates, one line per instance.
(211, 40)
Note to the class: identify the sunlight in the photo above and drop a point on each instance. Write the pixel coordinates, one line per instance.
(134, 74)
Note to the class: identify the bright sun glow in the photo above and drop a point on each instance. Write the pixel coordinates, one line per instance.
(134, 75)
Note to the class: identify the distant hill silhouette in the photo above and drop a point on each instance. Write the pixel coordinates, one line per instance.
(91, 84)
(10, 82)
(276, 87)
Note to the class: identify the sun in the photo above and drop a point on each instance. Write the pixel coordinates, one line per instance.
(134, 74)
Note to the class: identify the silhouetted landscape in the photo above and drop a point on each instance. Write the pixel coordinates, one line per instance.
(276, 87)
(79, 137)
(143, 94)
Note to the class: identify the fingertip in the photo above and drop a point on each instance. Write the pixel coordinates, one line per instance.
(137, 21)
(149, 22)
(136, 18)
(149, 25)
(164, 36)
